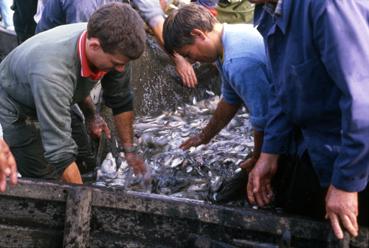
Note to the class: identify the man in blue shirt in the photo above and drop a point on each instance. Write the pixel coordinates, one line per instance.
(319, 56)
(238, 51)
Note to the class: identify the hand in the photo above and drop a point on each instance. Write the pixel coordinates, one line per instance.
(192, 141)
(185, 71)
(342, 209)
(71, 174)
(8, 166)
(97, 125)
(259, 188)
(249, 163)
(163, 5)
(136, 162)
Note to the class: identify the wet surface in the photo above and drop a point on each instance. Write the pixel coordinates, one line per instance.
(195, 173)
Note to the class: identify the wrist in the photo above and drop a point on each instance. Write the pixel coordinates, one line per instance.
(129, 149)
(271, 158)
(204, 138)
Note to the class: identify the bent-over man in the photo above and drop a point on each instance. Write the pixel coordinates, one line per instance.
(42, 78)
(238, 52)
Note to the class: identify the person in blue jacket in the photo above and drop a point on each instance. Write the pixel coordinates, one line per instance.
(318, 55)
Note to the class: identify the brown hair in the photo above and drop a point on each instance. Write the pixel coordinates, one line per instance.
(119, 29)
(179, 25)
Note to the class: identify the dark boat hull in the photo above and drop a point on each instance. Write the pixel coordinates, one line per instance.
(45, 214)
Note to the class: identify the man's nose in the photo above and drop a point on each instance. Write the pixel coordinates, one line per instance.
(120, 68)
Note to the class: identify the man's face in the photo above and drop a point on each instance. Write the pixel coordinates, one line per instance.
(202, 50)
(103, 61)
(109, 62)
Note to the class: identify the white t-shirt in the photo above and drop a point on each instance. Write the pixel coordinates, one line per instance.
(1, 132)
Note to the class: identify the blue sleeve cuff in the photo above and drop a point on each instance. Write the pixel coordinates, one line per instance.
(231, 100)
(349, 184)
(275, 145)
(258, 122)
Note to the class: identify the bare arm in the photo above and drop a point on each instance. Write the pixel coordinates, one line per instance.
(124, 125)
(221, 117)
(183, 67)
(8, 167)
(249, 163)
(95, 123)
(72, 175)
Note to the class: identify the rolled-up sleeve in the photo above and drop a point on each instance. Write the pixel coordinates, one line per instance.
(117, 92)
(342, 31)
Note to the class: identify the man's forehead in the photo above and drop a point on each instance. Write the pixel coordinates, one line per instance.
(120, 59)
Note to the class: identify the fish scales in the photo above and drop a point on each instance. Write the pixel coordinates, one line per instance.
(190, 174)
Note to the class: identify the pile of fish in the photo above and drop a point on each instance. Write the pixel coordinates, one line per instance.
(189, 174)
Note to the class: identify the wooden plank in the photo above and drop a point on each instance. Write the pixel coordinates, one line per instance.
(77, 220)
(243, 218)
(39, 189)
(19, 236)
(32, 212)
(150, 218)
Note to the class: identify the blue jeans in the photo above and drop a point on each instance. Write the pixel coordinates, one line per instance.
(6, 12)
(208, 3)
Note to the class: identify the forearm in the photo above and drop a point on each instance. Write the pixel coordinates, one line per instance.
(88, 107)
(157, 29)
(258, 142)
(72, 175)
(221, 117)
(124, 126)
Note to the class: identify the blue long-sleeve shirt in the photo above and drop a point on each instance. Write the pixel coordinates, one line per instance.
(319, 57)
(61, 12)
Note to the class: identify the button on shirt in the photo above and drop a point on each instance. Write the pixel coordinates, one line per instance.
(319, 57)
(244, 71)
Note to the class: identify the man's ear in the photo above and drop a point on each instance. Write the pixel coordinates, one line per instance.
(94, 44)
(198, 33)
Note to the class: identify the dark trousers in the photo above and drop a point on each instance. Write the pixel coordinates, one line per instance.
(298, 191)
(24, 24)
(296, 187)
(25, 143)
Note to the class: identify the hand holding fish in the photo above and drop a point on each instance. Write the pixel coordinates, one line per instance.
(97, 125)
(259, 188)
(8, 167)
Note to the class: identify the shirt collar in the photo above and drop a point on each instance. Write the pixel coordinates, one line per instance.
(86, 71)
(280, 12)
(274, 8)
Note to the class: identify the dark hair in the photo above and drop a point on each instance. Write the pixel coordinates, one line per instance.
(179, 25)
(119, 29)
